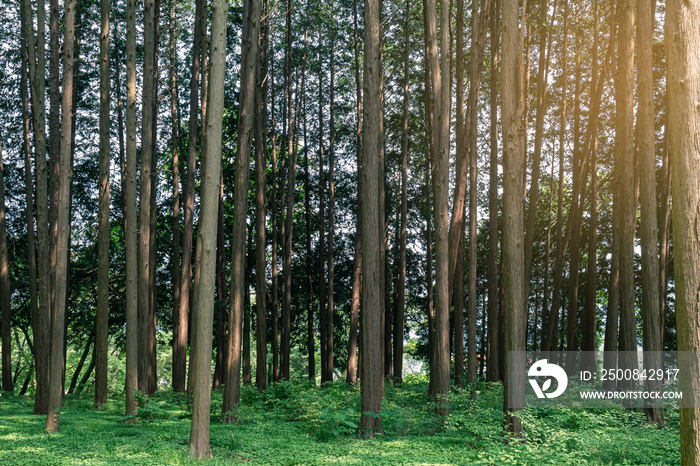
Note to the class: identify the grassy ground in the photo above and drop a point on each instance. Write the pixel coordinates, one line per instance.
(296, 423)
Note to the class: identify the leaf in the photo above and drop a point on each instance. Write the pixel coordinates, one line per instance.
(546, 385)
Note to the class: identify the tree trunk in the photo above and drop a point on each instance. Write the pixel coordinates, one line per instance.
(624, 179)
(180, 324)
(370, 422)
(220, 309)
(683, 52)
(211, 176)
(5, 305)
(175, 135)
(249, 57)
(322, 301)
(351, 376)
(289, 223)
(260, 209)
(401, 282)
(63, 226)
(247, 371)
(331, 213)
(29, 198)
(79, 367)
(513, 234)
(545, 47)
(492, 372)
(145, 188)
(274, 346)
(589, 318)
(37, 68)
(102, 325)
(131, 239)
(651, 312)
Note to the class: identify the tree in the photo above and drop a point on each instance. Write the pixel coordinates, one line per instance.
(37, 68)
(513, 234)
(371, 380)
(351, 376)
(260, 210)
(180, 324)
(102, 325)
(492, 373)
(651, 312)
(5, 305)
(63, 222)
(401, 282)
(683, 52)
(624, 180)
(146, 185)
(208, 224)
(131, 238)
(249, 57)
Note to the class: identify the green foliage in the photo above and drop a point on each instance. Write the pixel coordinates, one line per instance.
(297, 422)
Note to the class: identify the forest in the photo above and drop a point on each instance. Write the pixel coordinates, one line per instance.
(343, 231)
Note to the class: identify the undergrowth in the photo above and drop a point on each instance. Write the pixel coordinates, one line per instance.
(298, 422)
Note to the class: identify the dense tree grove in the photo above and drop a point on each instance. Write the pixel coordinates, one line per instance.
(344, 190)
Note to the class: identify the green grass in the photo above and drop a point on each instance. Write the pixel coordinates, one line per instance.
(297, 423)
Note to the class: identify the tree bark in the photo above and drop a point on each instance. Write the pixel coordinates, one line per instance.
(102, 325)
(180, 324)
(651, 313)
(322, 299)
(249, 57)
(131, 239)
(175, 135)
(29, 198)
(513, 234)
(63, 226)
(211, 176)
(145, 187)
(683, 52)
(331, 212)
(37, 68)
(370, 422)
(492, 372)
(351, 376)
(624, 179)
(260, 208)
(5, 305)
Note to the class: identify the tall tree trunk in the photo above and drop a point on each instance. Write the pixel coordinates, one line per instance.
(175, 135)
(401, 282)
(683, 52)
(331, 212)
(545, 47)
(260, 209)
(440, 79)
(492, 372)
(249, 57)
(102, 326)
(624, 161)
(211, 176)
(589, 317)
(5, 305)
(63, 226)
(551, 336)
(651, 312)
(274, 346)
(131, 239)
(289, 223)
(370, 422)
(29, 196)
(180, 326)
(37, 68)
(79, 367)
(513, 234)
(322, 300)
(145, 188)
(664, 227)
(351, 376)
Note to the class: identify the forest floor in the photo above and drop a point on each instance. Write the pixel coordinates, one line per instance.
(298, 423)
